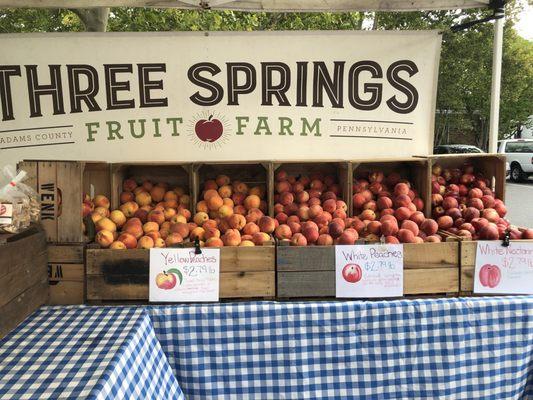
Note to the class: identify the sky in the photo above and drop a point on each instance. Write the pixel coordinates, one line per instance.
(524, 27)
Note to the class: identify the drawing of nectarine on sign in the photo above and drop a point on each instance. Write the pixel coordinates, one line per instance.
(352, 273)
(167, 280)
(490, 275)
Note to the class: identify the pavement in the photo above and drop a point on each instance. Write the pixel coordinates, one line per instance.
(519, 202)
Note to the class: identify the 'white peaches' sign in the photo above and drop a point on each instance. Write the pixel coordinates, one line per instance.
(217, 96)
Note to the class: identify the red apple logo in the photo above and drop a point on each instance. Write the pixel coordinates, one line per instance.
(208, 130)
(490, 275)
(352, 273)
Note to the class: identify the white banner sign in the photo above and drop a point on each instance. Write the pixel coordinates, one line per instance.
(217, 96)
(504, 270)
(181, 275)
(369, 270)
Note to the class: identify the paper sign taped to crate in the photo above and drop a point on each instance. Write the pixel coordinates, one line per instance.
(504, 270)
(369, 270)
(181, 275)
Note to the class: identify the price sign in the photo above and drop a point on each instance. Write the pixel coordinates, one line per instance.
(504, 270)
(180, 275)
(369, 270)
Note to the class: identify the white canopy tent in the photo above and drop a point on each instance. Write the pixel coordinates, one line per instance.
(309, 6)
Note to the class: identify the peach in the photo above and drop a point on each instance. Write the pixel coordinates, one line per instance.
(281, 175)
(401, 188)
(283, 186)
(228, 202)
(181, 228)
(252, 201)
(417, 217)
(168, 213)
(527, 233)
(142, 214)
(200, 218)
(150, 227)
(500, 209)
(104, 238)
(374, 227)
(410, 225)
(222, 180)
(335, 229)
(283, 232)
(197, 232)
(348, 237)
(170, 196)
(489, 214)
(402, 200)
(147, 185)
(419, 203)
(143, 199)
(258, 191)
(211, 232)
(286, 198)
(250, 228)
(145, 242)
(214, 202)
(232, 237)
(238, 198)
(303, 213)
(475, 193)
(476, 203)
(210, 193)
(298, 240)
(267, 224)
(339, 214)
(169, 203)
(153, 234)
(239, 210)
(329, 205)
(105, 224)
(384, 202)
(358, 201)
(101, 201)
(314, 201)
(118, 246)
(225, 191)
(178, 218)
(295, 226)
(263, 206)
(210, 184)
(185, 200)
(368, 215)
(173, 239)
(104, 212)
(240, 187)
(129, 185)
(282, 218)
(126, 196)
(214, 242)
(237, 221)
(225, 211)
(157, 193)
(260, 237)
(253, 215)
(128, 239)
(138, 189)
(402, 213)
(302, 197)
(418, 240)
(313, 193)
(445, 222)
(389, 228)
(449, 202)
(489, 232)
(311, 234)
(406, 236)
(118, 218)
(156, 216)
(324, 240)
(391, 240)
(488, 201)
(201, 206)
(159, 243)
(315, 211)
(247, 243)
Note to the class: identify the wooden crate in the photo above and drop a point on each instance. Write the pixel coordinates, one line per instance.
(339, 169)
(122, 275)
(23, 278)
(491, 165)
(251, 173)
(429, 269)
(61, 185)
(415, 170)
(66, 274)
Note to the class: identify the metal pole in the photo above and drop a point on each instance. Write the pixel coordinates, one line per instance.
(496, 80)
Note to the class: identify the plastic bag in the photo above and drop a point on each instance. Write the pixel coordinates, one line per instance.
(19, 204)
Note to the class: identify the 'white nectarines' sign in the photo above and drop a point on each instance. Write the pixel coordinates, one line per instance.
(181, 275)
(504, 270)
(374, 270)
(217, 96)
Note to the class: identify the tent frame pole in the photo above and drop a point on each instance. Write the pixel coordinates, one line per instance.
(496, 83)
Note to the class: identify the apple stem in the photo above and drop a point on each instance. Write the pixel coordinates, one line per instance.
(209, 119)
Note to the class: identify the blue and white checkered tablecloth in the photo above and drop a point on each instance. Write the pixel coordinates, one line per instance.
(478, 348)
(85, 353)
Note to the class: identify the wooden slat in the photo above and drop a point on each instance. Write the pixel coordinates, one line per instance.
(66, 272)
(312, 258)
(14, 312)
(15, 254)
(27, 272)
(232, 285)
(66, 293)
(69, 183)
(48, 195)
(65, 254)
(431, 255)
(430, 281)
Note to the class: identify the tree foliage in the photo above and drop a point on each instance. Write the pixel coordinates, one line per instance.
(463, 99)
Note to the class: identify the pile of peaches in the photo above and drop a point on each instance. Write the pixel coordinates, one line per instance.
(153, 215)
(465, 205)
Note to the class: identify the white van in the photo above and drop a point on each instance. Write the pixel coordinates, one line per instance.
(519, 154)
